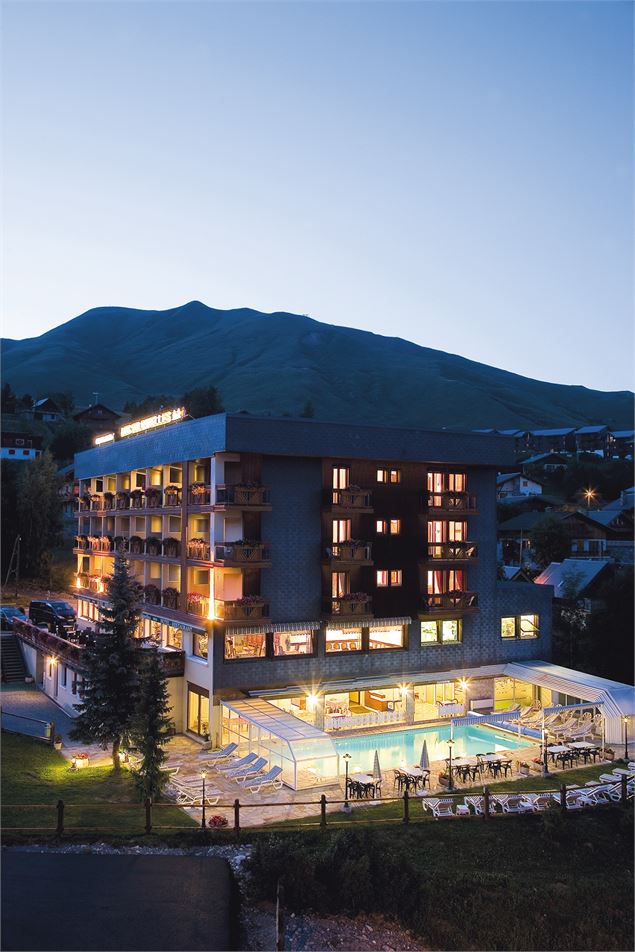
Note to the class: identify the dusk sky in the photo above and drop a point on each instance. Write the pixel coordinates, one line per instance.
(457, 174)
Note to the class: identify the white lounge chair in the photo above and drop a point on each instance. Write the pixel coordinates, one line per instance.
(250, 770)
(218, 756)
(477, 803)
(191, 794)
(514, 803)
(539, 801)
(269, 779)
(236, 762)
(575, 799)
(438, 807)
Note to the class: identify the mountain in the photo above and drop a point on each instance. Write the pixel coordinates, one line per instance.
(276, 362)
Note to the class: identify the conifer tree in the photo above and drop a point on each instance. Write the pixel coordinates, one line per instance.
(110, 691)
(151, 725)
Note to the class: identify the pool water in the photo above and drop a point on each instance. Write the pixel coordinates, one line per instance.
(404, 747)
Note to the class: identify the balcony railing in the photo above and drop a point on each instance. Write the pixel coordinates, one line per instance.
(352, 498)
(249, 608)
(448, 601)
(350, 551)
(241, 553)
(452, 551)
(199, 494)
(450, 501)
(242, 496)
(199, 549)
(346, 606)
(197, 604)
(68, 652)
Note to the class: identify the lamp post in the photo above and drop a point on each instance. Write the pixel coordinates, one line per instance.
(626, 738)
(589, 494)
(347, 757)
(203, 776)
(545, 766)
(450, 783)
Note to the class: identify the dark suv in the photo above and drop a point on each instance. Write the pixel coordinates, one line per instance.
(58, 617)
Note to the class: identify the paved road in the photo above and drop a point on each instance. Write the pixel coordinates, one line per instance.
(62, 902)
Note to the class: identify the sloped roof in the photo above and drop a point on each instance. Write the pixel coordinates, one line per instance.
(539, 457)
(591, 429)
(604, 516)
(527, 520)
(583, 571)
(562, 431)
(623, 434)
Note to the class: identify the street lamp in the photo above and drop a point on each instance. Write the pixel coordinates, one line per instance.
(545, 765)
(626, 738)
(347, 757)
(589, 494)
(203, 776)
(450, 783)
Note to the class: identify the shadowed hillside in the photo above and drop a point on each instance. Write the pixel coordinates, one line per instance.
(276, 362)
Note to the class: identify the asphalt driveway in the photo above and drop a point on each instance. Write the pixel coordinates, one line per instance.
(62, 902)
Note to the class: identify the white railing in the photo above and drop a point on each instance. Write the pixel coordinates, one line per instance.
(372, 719)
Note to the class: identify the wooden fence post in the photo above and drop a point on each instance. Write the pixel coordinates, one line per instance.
(60, 817)
(624, 790)
(406, 807)
(279, 917)
(148, 806)
(486, 802)
(563, 797)
(323, 811)
(237, 817)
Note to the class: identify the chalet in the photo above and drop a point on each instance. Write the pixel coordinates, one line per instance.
(620, 444)
(20, 446)
(515, 485)
(46, 410)
(588, 537)
(577, 579)
(98, 417)
(545, 462)
(592, 439)
(558, 440)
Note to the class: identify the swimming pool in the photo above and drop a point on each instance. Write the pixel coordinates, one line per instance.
(404, 747)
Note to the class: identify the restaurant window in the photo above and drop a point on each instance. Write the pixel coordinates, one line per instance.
(348, 639)
(198, 710)
(528, 626)
(245, 646)
(174, 637)
(395, 526)
(200, 644)
(341, 530)
(287, 643)
(392, 637)
(448, 631)
(508, 627)
(174, 475)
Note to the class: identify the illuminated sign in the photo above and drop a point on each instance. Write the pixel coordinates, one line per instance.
(106, 438)
(159, 419)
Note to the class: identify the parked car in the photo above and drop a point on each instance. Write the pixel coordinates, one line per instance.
(58, 617)
(8, 613)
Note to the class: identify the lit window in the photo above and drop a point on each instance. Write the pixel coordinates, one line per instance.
(381, 526)
(382, 475)
(292, 643)
(340, 477)
(199, 644)
(386, 637)
(389, 476)
(528, 626)
(395, 475)
(382, 578)
(444, 632)
(508, 627)
(429, 632)
(395, 526)
(347, 639)
(245, 646)
(341, 530)
(395, 576)
(450, 630)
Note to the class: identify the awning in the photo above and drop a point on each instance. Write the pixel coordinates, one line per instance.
(266, 626)
(389, 622)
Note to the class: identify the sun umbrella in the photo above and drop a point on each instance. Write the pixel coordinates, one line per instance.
(376, 767)
(424, 763)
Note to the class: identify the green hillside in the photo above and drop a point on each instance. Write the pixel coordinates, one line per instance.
(276, 362)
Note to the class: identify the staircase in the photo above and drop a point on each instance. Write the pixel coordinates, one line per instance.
(11, 657)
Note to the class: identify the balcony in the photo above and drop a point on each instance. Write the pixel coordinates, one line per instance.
(172, 662)
(250, 608)
(355, 605)
(450, 501)
(351, 499)
(242, 496)
(452, 551)
(352, 551)
(448, 602)
(68, 652)
(199, 494)
(199, 550)
(255, 554)
(197, 604)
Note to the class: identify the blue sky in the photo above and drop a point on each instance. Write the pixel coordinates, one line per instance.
(457, 174)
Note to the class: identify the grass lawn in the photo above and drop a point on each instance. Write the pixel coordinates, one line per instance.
(95, 798)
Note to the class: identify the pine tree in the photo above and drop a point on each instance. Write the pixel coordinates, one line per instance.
(151, 725)
(110, 691)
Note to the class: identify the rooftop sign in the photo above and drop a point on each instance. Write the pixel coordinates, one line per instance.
(106, 438)
(149, 423)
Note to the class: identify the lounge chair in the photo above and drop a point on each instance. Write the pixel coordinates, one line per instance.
(516, 804)
(438, 807)
(575, 799)
(191, 794)
(248, 770)
(218, 756)
(629, 774)
(610, 778)
(477, 803)
(539, 801)
(235, 762)
(602, 793)
(269, 779)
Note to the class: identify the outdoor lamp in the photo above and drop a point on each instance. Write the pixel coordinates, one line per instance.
(626, 738)
(450, 783)
(203, 776)
(346, 758)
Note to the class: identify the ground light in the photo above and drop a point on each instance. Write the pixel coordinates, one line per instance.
(347, 806)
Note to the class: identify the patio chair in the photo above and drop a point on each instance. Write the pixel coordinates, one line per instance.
(269, 779)
(235, 762)
(218, 756)
(247, 770)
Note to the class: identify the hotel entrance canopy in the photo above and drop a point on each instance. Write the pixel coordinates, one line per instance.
(305, 753)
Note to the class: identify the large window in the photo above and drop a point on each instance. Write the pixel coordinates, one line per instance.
(341, 477)
(245, 646)
(200, 644)
(174, 637)
(341, 530)
(446, 631)
(450, 482)
(441, 581)
(340, 584)
(520, 626)
(389, 476)
(388, 526)
(347, 639)
(447, 530)
(289, 643)
(198, 710)
(386, 577)
(390, 637)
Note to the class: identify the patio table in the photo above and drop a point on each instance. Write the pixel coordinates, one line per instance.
(361, 785)
(416, 774)
(586, 749)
